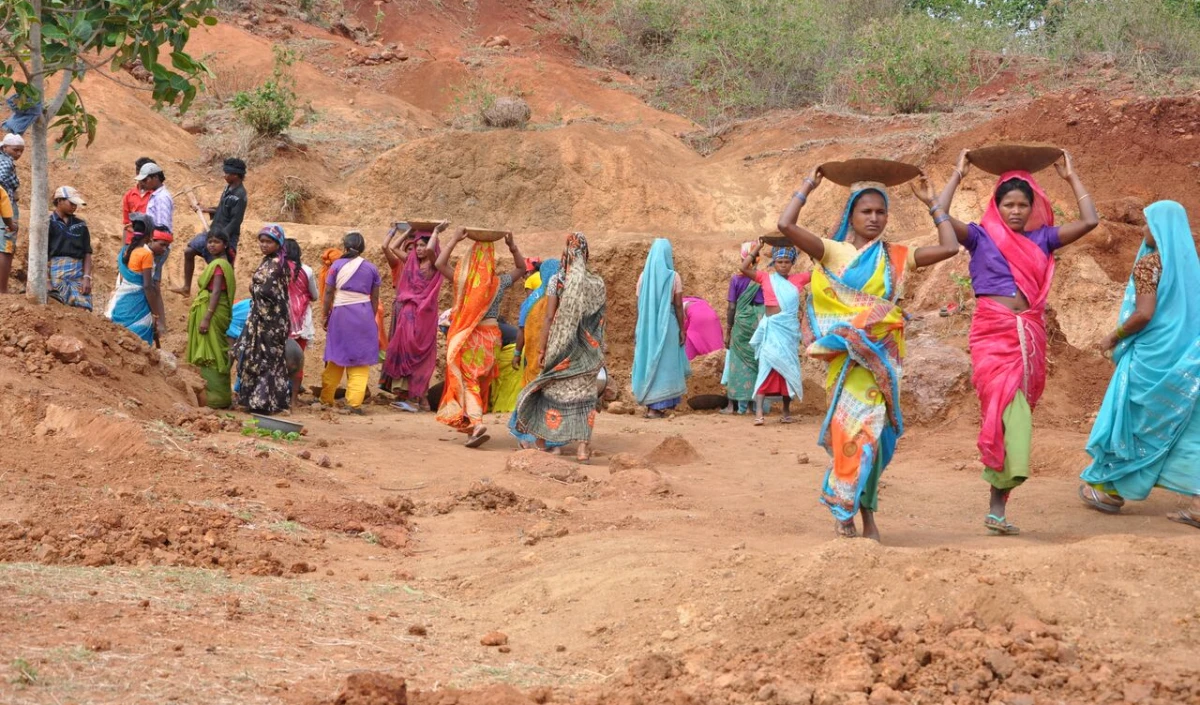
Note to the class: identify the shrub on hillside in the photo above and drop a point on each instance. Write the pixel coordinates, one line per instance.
(270, 107)
(912, 61)
(506, 112)
(1147, 36)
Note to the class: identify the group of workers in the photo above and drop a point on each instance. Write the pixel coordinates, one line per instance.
(846, 312)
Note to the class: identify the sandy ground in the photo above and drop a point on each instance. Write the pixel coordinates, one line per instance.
(705, 565)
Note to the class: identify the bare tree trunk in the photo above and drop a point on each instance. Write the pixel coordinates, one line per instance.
(37, 276)
(37, 281)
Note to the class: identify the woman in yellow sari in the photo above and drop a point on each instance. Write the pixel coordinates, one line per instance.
(854, 323)
(473, 341)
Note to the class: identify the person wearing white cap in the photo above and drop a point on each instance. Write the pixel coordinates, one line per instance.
(11, 149)
(69, 251)
(160, 209)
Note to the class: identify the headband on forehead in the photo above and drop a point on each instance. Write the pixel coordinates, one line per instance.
(788, 253)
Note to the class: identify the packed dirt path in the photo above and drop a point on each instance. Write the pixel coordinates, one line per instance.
(707, 551)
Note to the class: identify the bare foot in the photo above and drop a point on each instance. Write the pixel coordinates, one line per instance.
(870, 529)
(845, 529)
(180, 290)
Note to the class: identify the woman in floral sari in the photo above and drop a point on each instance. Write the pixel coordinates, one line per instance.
(265, 385)
(474, 335)
(1012, 269)
(208, 319)
(1147, 433)
(855, 324)
(560, 405)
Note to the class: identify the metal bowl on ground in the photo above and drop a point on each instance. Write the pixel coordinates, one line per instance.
(707, 402)
(601, 382)
(272, 423)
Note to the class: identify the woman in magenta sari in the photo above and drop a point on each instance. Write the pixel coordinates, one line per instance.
(412, 351)
(1012, 268)
(702, 328)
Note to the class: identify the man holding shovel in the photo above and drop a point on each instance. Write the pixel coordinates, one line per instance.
(226, 218)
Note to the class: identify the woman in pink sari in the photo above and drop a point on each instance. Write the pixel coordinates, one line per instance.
(412, 350)
(702, 327)
(1012, 268)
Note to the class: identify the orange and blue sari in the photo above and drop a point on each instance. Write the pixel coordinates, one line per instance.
(471, 344)
(855, 324)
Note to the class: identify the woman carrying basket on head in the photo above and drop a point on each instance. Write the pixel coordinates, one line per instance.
(855, 324)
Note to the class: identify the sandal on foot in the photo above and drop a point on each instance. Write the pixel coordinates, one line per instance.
(759, 422)
(1000, 526)
(845, 529)
(1093, 499)
(404, 406)
(787, 419)
(583, 458)
(478, 438)
(1185, 516)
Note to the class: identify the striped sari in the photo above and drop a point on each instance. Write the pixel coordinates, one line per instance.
(741, 364)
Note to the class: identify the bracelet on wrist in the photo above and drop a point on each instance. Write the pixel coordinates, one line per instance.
(802, 198)
(934, 208)
(1080, 199)
(808, 180)
(940, 219)
(1121, 334)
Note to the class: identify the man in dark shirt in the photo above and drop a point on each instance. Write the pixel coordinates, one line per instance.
(226, 218)
(69, 248)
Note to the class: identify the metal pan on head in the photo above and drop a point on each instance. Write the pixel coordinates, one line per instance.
(884, 171)
(1002, 158)
(424, 225)
(485, 235)
(775, 240)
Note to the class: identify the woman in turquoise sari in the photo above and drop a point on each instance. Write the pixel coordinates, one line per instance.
(136, 302)
(1147, 433)
(660, 364)
(855, 324)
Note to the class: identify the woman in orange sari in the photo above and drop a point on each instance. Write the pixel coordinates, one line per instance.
(474, 336)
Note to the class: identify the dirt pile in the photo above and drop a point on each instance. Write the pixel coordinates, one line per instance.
(386, 525)
(372, 688)
(673, 450)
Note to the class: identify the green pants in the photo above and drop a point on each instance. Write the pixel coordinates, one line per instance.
(870, 494)
(1018, 436)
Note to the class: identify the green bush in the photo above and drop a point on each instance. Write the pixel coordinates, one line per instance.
(270, 107)
(913, 61)
(1147, 36)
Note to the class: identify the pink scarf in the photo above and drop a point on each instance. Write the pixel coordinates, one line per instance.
(299, 297)
(1008, 349)
(702, 328)
(412, 352)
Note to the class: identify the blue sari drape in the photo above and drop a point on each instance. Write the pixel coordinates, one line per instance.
(776, 341)
(660, 364)
(1147, 433)
(128, 306)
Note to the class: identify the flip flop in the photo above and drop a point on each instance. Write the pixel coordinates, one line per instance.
(477, 440)
(759, 422)
(787, 419)
(1091, 497)
(999, 526)
(404, 406)
(1184, 516)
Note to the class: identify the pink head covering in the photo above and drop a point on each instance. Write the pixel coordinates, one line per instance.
(1032, 269)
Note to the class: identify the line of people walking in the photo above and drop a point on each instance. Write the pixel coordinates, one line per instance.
(847, 312)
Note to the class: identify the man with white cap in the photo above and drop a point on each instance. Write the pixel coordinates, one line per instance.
(11, 149)
(69, 251)
(160, 209)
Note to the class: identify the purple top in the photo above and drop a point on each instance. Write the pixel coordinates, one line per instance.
(737, 287)
(990, 273)
(353, 336)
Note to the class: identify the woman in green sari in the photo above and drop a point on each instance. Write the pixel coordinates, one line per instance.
(741, 319)
(208, 319)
